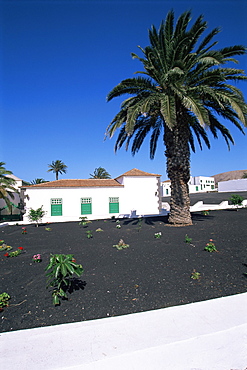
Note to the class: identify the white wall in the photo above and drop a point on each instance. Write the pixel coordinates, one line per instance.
(72, 202)
(232, 185)
(142, 195)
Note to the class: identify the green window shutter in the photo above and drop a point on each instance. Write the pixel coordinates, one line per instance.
(56, 207)
(86, 206)
(114, 205)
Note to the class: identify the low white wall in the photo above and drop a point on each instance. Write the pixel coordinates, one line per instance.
(200, 206)
(232, 185)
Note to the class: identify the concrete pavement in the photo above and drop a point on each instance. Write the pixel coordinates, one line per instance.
(208, 335)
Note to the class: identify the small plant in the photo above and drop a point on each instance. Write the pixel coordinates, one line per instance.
(205, 213)
(47, 228)
(23, 230)
(118, 226)
(89, 234)
(157, 235)
(84, 221)
(14, 253)
(5, 247)
(236, 200)
(121, 245)
(37, 258)
(62, 267)
(4, 298)
(118, 222)
(210, 247)
(1, 241)
(195, 275)
(99, 230)
(36, 215)
(139, 226)
(187, 239)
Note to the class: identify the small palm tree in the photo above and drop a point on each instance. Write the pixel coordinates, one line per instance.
(37, 181)
(186, 93)
(100, 173)
(57, 167)
(7, 188)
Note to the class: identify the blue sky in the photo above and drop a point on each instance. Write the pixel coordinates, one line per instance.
(59, 61)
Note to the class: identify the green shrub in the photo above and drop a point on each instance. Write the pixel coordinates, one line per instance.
(62, 267)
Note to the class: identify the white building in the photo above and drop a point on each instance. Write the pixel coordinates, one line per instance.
(232, 185)
(135, 193)
(197, 184)
(15, 212)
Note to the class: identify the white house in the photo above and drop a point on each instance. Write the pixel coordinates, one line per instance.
(135, 193)
(197, 184)
(16, 202)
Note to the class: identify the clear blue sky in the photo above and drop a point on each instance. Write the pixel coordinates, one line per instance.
(59, 60)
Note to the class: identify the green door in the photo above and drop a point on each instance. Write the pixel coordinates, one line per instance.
(114, 205)
(86, 206)
(56, 207)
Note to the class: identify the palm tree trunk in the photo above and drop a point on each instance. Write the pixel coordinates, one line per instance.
(178, 170)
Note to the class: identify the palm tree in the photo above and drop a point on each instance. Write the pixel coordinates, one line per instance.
(38, 181)
(184, 96)
(7, 183)
(100, 173)
(57, 167)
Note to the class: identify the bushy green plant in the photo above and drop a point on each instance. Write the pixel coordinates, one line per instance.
(157, 235)
(210, 247)
(121, 245)
(4, 298)
(62, 267)
(36, 215)
(236, 200)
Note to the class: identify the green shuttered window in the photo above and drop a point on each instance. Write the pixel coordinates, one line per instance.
(86, 206)
(56, 207)
(114, 205)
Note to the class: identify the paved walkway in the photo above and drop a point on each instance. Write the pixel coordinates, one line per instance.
(209, 335)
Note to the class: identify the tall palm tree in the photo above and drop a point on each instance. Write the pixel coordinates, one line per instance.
(185, 95)
(100, 173)
(57, 167)
(7, 188)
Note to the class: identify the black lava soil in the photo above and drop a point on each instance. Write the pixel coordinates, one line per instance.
(150, 274)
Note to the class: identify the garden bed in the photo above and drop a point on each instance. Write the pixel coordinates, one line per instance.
(151, 273)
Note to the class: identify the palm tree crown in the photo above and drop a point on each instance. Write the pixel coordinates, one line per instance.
(7, 184)
(38, 181)
(57, 167)
(185, 95)
(100, 173)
